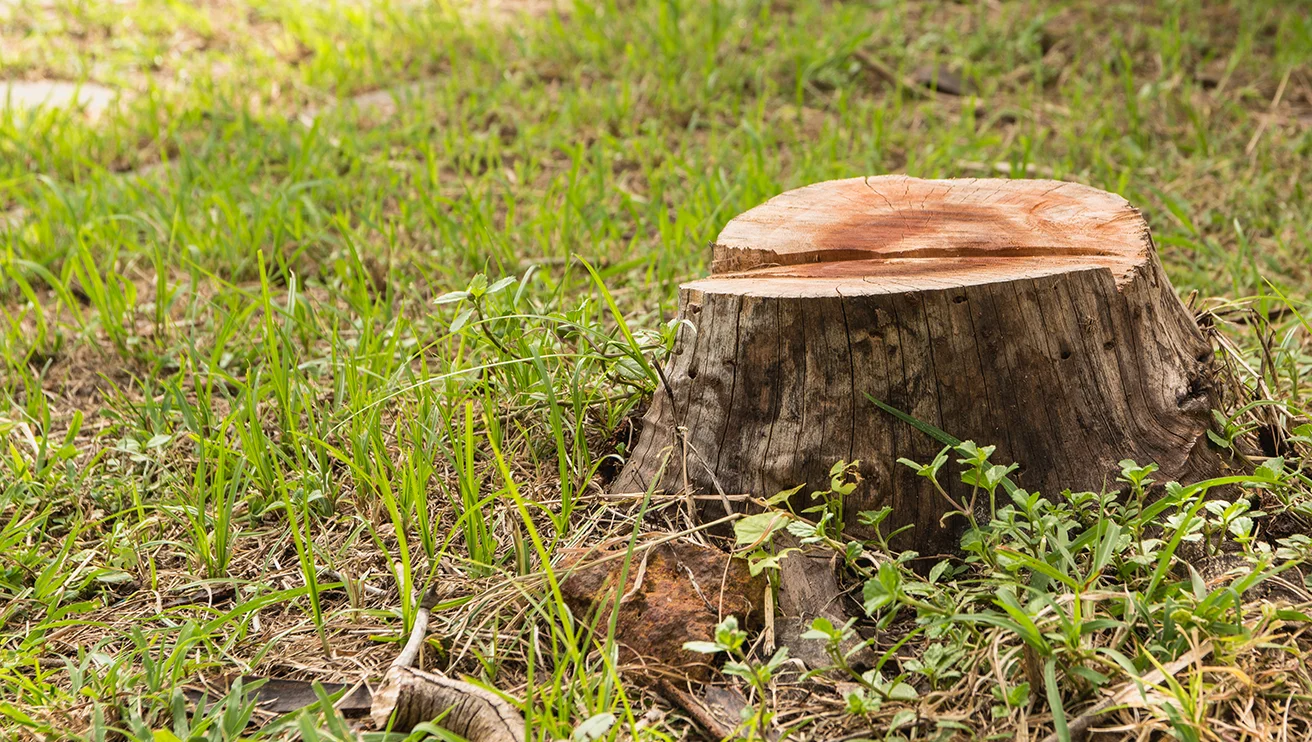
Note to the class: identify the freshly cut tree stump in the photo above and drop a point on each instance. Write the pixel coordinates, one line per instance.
(1028, 314)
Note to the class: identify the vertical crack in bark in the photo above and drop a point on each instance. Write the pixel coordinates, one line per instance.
(799, 454)
(733, 385)
(907, 405)
(1010, 380)
(1085, 365)
(1146, 335)
(851, 371)
(681, 419)
(803, 468)
(933, 369)
(1055, 452)
(776, 402)
(984, 376)
(1105, 311)
(1149, 410)
(708, 343)
(1171, 311)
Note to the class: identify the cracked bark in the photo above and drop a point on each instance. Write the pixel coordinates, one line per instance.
(1030, 315)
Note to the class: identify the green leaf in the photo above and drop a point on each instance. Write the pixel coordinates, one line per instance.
(1272, 467)
(703, 647)
(739, 670)
(615, 312)
(820, 623)
(882, 590)
(754, 530)
(461, 319)
(728, 635)
(937, 570)
(451, 297)
(822, 629)
(1054, 700)
(902, 692)
(1102, 556)
(428, 730)
(759, 560)
(499, 285)
(1241, 526)
(593, 728)
(1095, 678)
(803, 530)
(1024, 625)
(1009, 554)
(903, 718)
(780, 497)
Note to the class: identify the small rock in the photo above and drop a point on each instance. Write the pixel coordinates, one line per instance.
(684, 591)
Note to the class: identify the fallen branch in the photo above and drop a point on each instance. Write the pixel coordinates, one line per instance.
(409, 696)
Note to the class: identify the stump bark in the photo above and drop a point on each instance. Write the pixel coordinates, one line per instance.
(1032, 315)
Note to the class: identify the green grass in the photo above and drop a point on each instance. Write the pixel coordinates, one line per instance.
(232, 361)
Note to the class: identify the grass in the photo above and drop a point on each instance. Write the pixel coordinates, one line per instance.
(234, 365)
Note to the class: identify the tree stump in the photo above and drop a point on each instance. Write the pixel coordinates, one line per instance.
(1032, 315)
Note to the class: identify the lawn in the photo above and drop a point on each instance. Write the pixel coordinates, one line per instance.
(338, 302)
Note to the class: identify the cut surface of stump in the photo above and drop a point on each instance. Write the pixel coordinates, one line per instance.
(1032, 315)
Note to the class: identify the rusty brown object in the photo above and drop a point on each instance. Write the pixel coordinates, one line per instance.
(675, 592)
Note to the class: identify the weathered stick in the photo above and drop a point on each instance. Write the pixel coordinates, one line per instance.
(408, 697)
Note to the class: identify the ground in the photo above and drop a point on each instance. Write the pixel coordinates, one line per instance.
(247, 420)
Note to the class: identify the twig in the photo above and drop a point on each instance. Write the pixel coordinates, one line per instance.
(410, 652)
